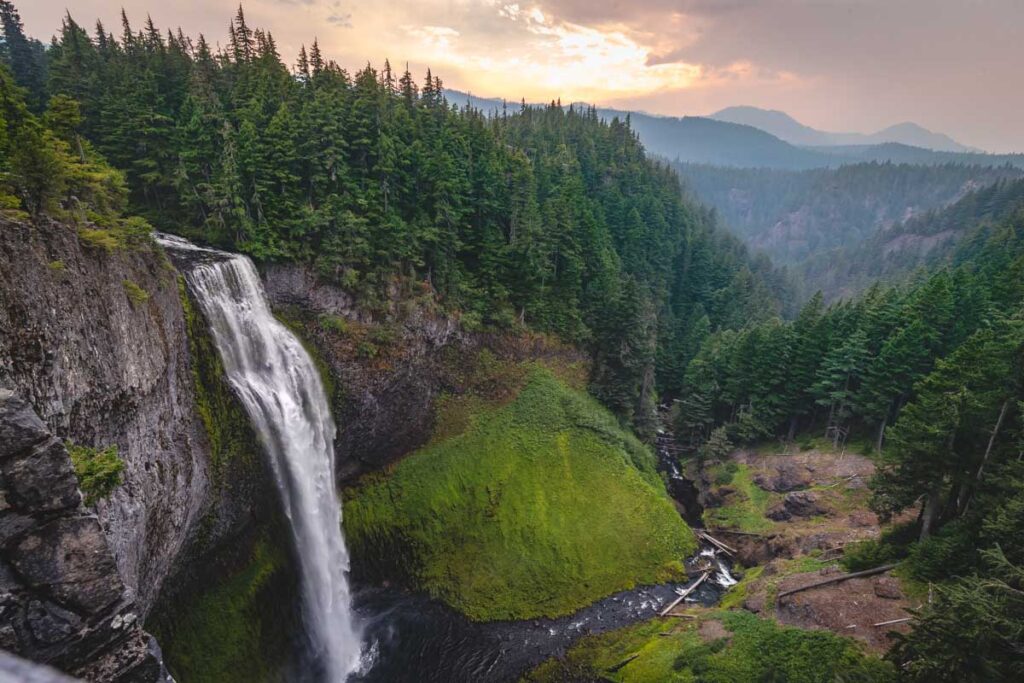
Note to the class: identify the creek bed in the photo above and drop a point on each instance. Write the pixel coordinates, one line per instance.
(409, 637)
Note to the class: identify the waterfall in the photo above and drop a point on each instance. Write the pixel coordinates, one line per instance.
(282, 392)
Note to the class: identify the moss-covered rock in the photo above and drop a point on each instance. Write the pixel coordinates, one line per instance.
(227, 426)
(537, 507)
(229, 629)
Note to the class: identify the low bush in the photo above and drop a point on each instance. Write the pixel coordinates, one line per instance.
(137, 295)
(98, 471)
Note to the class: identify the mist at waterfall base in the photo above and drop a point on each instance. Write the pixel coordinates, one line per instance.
(281, 390)
(379, 634)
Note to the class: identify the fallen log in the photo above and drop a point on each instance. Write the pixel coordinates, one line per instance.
(893, 621)
(836, 579)
(715, 542)
(741, 533)
(685, 593)
(842, 481)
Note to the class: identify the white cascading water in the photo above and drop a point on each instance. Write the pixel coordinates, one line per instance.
(282, 392)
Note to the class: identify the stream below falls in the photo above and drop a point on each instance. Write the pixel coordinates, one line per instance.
(409, 637)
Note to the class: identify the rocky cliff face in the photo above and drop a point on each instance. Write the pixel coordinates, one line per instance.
(388, 369)
(386, 383)
(62, 601)
(95, 341)
(103, 345)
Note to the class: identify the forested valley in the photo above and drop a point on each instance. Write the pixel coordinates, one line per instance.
(838, 230)
(529, 332)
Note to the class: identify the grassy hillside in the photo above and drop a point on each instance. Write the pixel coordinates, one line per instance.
(537, 507)
(722, 647)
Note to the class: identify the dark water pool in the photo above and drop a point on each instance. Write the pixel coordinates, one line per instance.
(412, 638)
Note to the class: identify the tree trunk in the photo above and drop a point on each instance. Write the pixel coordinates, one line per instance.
(881, 435)
(792, 429)
(931, 512)
(988, 449)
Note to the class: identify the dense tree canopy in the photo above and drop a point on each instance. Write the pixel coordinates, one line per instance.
(546, 217)
(930, 376)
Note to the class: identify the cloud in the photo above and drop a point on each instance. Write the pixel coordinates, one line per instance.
(950, 65)
(433, 37)
(339, 19)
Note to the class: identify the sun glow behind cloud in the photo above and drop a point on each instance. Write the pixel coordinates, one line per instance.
(496, 47)
(834, 64)
(550, 57)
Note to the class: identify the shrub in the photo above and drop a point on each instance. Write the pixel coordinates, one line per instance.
(866, 555)
(98, 471)
(367, 350)
(335, 323)
(725, 473)
(891, 546)
(382, 336)
(99, 239)
(952, 551)
(137, 295)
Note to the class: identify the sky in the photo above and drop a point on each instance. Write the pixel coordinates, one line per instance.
(953, 66)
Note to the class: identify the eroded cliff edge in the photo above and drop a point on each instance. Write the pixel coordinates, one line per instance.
(104, 363)
(100, 340)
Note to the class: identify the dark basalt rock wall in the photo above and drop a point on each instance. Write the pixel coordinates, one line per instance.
(62, 601)
(387, 408)
(102, 369)
(385, 401)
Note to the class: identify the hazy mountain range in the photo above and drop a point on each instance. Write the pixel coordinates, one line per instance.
(785, 127)
(707, 140)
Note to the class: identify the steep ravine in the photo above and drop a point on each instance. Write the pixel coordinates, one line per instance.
(195, 529)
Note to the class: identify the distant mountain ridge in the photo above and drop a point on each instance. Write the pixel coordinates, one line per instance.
(702, 140)
(785, 127)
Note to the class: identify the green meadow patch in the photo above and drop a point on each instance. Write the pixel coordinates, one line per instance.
(532, 508)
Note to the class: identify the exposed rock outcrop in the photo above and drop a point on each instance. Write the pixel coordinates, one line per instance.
(62, 601)
(388, 383)
(101, 368)
(796, 504)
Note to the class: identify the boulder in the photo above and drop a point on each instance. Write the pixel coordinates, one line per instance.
(41, 479)
(803, 504)
(69, 559)
(887, 587)
(785, 477)
(20, 427)
(778, 513)
(62, 601)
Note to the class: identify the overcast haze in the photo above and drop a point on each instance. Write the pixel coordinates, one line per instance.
(953, 66)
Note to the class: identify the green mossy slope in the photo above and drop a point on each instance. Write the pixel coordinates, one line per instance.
(739, 648)
(538, 508)
(232, 629)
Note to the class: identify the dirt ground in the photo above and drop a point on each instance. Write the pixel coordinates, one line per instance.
(850, 608)
(816, 503)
